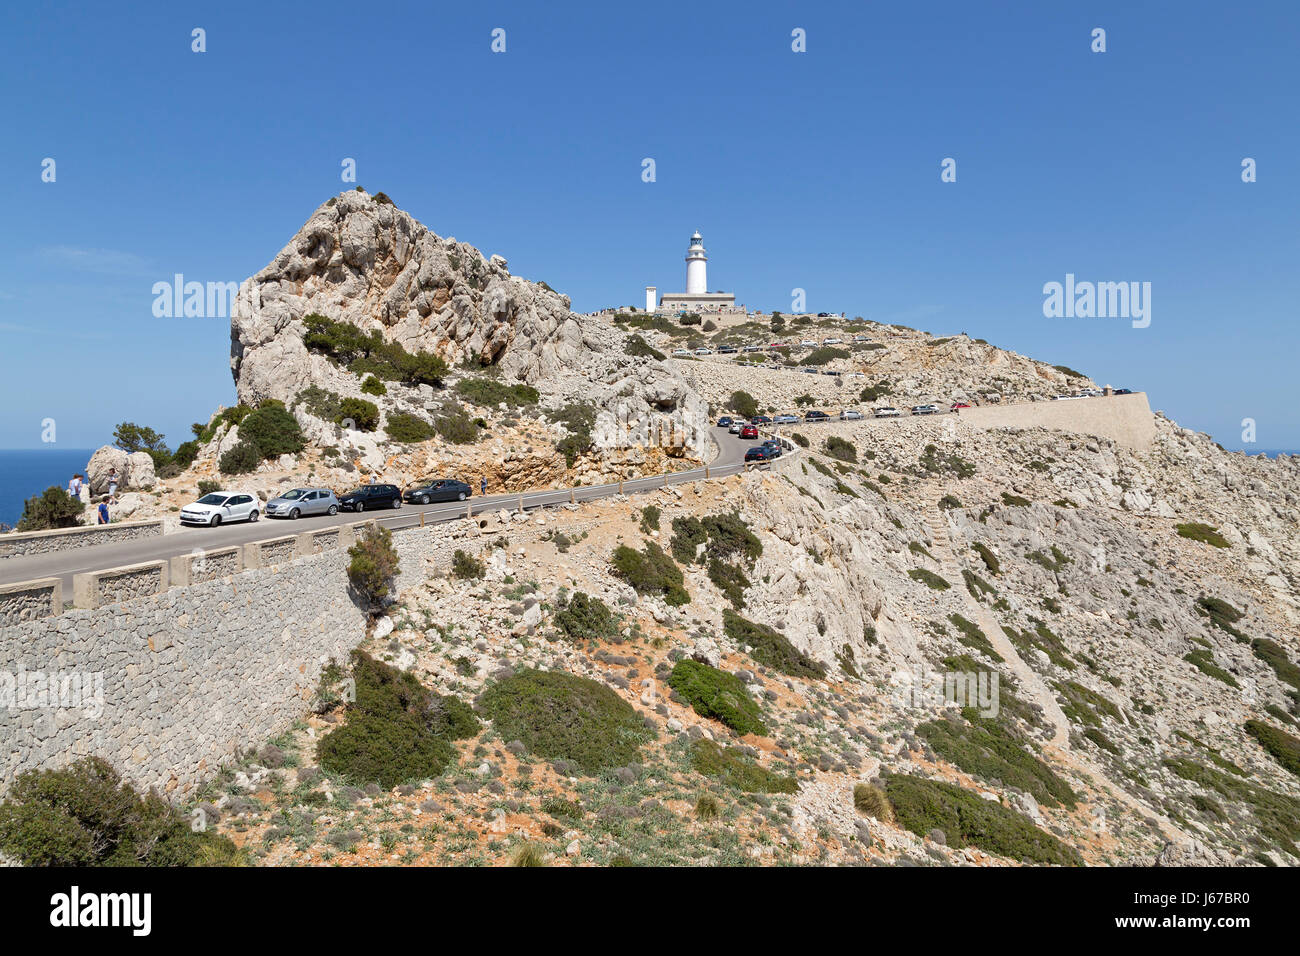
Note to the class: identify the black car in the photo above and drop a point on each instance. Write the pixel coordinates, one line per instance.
(439, 489)
(760, 420)
(726, 350)
(774, 449)
(757, 453)
(1122, 391)
(815, 416)
(370, 497)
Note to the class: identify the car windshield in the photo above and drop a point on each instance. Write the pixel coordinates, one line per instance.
(213, 499)
(295, 494)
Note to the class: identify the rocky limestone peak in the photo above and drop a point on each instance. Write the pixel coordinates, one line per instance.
(360, 259)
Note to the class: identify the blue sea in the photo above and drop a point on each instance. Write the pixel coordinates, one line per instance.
(25, 472)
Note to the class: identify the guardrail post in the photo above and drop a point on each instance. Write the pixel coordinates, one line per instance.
(706, 470)
(620, 486)
(421, 519)
(521, 501)
(665, 479)
(573, 500)
(469, 510)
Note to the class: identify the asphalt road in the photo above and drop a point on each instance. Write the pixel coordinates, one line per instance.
(64, 564)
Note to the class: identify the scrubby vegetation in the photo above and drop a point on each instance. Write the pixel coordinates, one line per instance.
(936, 462)
(651, 571)
(717, 695)
(738, 770)
(770, 647)
(823, 354)
(1276, 815)
(372, 567)
(397, 730)
(466, 566)
(966, 819)
(358, 414)
(456, 427)
(650, 517)
(563, 716)
(929, 579)
(84, 815)
(637, 347)
(579, 420)
(584, 618)
(408, 428)
(239, 459)
(1195, 531)
(871, 801)
(1284, 747)
(989, 749)
(841, 449)
(489, 392)
(52, 508)
(363, 353)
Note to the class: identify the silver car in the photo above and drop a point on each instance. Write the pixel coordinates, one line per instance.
(303, 501)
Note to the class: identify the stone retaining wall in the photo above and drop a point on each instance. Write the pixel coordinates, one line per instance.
(194, 674)
(17, 544)
(29, 600)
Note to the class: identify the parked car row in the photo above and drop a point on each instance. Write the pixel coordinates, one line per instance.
(222, 507)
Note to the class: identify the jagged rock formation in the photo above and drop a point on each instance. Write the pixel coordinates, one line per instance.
(361, 260)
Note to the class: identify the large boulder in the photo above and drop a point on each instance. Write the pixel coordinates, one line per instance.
(103, 461)
(139, 470)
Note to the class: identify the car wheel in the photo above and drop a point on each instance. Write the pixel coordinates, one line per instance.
(397, 502)
(334, 509)
(361, 506)
(424, 499)
(216, 521)
(295, 514)
(461, 496)
(252, 515)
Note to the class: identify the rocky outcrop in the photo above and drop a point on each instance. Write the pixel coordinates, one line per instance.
(134, 470)
(359, 259)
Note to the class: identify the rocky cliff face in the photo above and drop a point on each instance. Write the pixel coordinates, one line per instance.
(359, 259)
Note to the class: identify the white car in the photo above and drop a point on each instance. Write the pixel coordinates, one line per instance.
(862, 338)
(849, 415)
(681, 351)
(830, 341)
(887, 411)
(807, 344)
(1065, 398)
(703, 351)
(736, 426)
(217, 507)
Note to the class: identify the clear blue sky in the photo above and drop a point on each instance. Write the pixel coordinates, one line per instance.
(817, 170)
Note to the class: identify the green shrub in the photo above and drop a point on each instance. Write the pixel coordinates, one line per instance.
(1284, 747)
(240, 459)
(132, 438)
(872, 393)
(52, 508)
(1274, 655)
(397, 731)
(208, 485)
(650, 517)
(743, 404)
(651, 571)
(272, 430)
(1276, 815)
(466, 566)
(373, 386)
(185, 454)
(456, 427)
(84, 815)
(738, 770)
(706, 807)
(717, 695)
(973, 637)
(872, 802)
(949, 502)
(322, 403)
(365, 353)
(578, 419)
(637, 347)
(730, 580)
(688, 535)
(691, 318)
(490, 393)
(408, 428)
(1086, 706)
(363, 415)
(839, 448)
(966, 819)
(823, 354)
(929, 579)
(988, 557)
(770, 647)
(1195, 531)
(1221, 614)
(372, 567)
(990, 750)
(1203, 661)
(557, 715)
(800, 440)
(1015, 501)
(936, 462)
(584, 618)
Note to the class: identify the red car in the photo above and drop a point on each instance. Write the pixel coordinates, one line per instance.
(749, 431)
(957, 405)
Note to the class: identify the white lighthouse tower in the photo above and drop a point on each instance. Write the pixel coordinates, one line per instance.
(696, 280)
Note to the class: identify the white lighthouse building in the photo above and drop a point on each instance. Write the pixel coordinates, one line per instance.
(697, 282)
(697, 297)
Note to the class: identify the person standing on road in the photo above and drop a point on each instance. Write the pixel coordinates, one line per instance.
(482, 486)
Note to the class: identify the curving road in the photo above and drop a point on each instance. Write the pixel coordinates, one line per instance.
(64, 564)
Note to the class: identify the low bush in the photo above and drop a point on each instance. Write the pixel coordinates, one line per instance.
(373, 386)
(466, 566)
(929, 579)
(408, 428)
(239, 459)
(717, 695)
(584, 618)
(738, 770)
(84, 815)
(372, 565)
(52, 508)
(637, 347)
(185, 454)
(988, 557)
(839, 448)
(1284, 747)
(578, 419)
(770, 647)
(359, 414)
(397, 730)
(456, 427)
(272, 430)
(650, 517)
(1203, 661)
(871, 801)
(1274, 655)
(1195, 531)
(966, 819)
(743, 404)
(651, 571)
(489, 392)
(990, 750)
(823, 354)
(557, 715)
